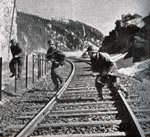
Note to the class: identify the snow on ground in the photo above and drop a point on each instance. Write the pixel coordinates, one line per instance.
(76, 54)
(40, 50)
(79, 53)
(137, 67)
(118, 57)
(141, 72)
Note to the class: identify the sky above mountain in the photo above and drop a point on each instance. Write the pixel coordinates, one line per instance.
(100, 14)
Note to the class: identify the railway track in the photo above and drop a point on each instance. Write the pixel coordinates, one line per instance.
(74, 111)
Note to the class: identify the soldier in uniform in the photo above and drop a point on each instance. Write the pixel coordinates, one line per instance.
(17, 61)
(57, 58)
(105, 71)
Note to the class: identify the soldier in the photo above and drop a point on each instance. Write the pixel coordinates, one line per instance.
(57, 58)
(17, 60)
(105, 71)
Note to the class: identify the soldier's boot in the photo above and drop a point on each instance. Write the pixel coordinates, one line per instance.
(100, 96)
(12, 75)
(56, 87)
(113, 90)
(99, 87)
(19, 75)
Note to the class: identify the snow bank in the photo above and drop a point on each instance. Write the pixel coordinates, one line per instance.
(118, 57)
(138, 22)
(137, 67)
(77, 54)
(139, 71)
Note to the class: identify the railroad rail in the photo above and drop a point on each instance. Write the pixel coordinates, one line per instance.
(75, 112)
(139, 106)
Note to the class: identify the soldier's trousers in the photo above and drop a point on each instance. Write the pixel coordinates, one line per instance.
(16, 65)
(100, 82)
(56, 78)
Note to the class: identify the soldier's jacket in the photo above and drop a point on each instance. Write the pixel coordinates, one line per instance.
(102, 62)
(17, 50)
(50, 53)
(55, 55)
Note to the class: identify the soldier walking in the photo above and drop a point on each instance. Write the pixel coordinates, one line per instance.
(57, 58)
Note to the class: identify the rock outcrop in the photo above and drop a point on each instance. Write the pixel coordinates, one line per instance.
(131, 35)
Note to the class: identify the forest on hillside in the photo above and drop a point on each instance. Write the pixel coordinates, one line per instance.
(33, 32)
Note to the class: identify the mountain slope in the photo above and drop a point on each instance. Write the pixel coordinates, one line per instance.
(33, 32)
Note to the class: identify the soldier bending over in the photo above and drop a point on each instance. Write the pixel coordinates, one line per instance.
(105, 70)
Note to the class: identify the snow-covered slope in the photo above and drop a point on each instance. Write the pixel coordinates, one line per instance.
(137, 67)
(140, 71)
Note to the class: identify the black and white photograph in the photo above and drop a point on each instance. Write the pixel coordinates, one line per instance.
(74, 68)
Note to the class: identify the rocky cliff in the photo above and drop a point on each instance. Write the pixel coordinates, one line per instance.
(132, 35)
(6, 10)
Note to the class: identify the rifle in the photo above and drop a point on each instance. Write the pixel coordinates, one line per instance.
(51, 53)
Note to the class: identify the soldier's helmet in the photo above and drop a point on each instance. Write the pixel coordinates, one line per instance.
(51, 42)
(13, 41)
(91, 49)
